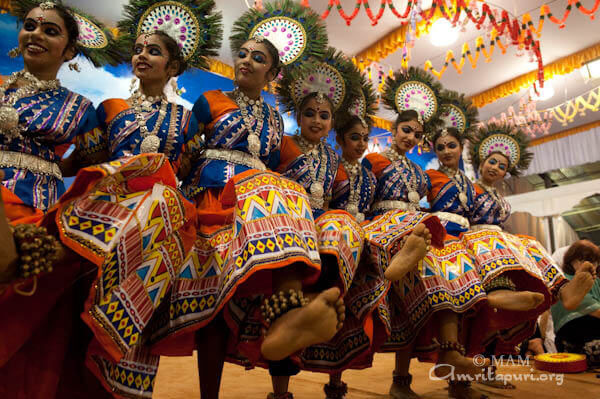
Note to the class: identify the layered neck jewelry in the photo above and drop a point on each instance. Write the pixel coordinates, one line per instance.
(354, 171)
(459, 181)
(316, 154)
(411, 182)
(142, 103)
(9, 115)
(496, 196)
(243, 102)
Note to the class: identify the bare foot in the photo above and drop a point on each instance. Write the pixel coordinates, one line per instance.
(398, 391)
(299, 328)
(414, 249)
(8, 249)
(515, 300)
(573, 292)
(461, 365)
(464, 390)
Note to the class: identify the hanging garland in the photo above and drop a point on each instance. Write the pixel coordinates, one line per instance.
(566, 112)
(461, 6)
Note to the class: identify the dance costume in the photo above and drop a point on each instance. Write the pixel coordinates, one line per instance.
(37, 313)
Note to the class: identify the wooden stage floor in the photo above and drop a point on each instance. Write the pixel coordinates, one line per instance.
(178, 379)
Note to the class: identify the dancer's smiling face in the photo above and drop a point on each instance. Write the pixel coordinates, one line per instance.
(354, 141)
(448, 150)
(44, 41)
(408, 134)
(151, 59)
(315, 119)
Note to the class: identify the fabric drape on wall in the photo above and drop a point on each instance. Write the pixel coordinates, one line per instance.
(573, 150)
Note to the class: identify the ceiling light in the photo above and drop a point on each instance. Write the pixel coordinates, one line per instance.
(591, 70)
(543, 94)
(442, 33)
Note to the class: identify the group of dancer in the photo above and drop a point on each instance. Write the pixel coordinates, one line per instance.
(210, 230)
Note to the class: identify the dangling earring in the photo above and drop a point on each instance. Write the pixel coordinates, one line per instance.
(73, 66)
(132, 85)
(297, 131)
(270, 88)
(337, 146)
(14, 53)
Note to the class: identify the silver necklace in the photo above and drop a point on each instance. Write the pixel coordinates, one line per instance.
(495, 196)
(142, 103)
(243, 102)
(354, 172)
(315, 153)
(9, 115)
(411, 184)
(462, 188)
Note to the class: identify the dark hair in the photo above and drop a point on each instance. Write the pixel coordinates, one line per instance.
(175, 53)
(582, 250)
(406, 116)
(452, 131)
(310, 96)
(276, 67)
(70, 24)
(350, 123)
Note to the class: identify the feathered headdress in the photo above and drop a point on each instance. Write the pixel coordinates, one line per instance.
(335, 77)
(364, 105)
(296, 31)
(512, 143)
(95, 41)
(418, 90)
(193, 24)
(458, 112)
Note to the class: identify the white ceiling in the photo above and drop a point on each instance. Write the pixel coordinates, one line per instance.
(580, 32)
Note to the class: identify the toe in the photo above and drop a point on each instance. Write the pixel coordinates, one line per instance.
(331, 295)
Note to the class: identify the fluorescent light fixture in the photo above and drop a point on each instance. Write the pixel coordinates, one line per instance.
(545, 93)
(442, 33)
(591, 70)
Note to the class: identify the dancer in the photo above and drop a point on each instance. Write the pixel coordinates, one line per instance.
(451, 199)
(126, 215)
(523, 287)
(255, 230)
(38, 116)
(429, 281)
(329, 89)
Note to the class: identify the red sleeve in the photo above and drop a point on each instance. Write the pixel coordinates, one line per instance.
(289, 151)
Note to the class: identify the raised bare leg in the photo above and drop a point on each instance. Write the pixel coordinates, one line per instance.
(407, 258)
(515, 300)
(299, 328)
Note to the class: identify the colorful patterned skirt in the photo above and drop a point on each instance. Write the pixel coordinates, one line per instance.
(446, 279)
(128, 218)
(363, 286)
(496, 253)
(259, 223)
